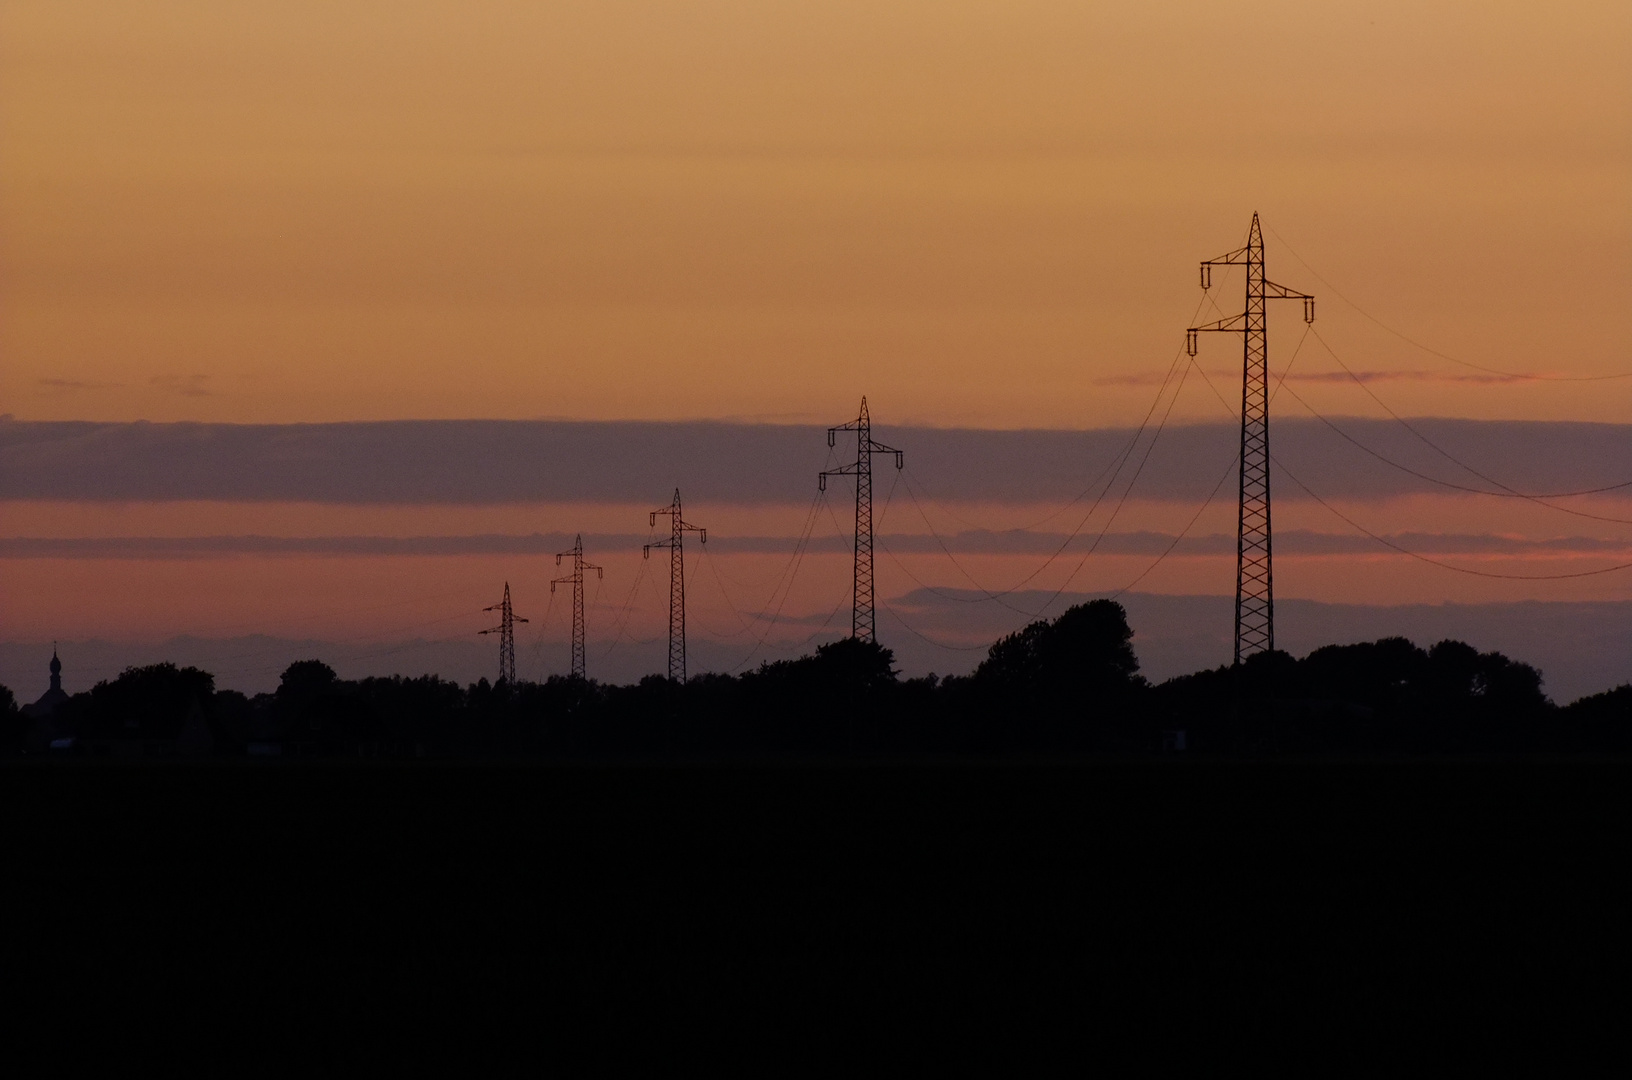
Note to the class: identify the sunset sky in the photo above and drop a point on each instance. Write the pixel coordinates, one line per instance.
(982, 215)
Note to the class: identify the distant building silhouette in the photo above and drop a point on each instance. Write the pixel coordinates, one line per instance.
(40, 728)
(53, 698)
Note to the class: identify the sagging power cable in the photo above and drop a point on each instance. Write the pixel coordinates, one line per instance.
(1433, 351)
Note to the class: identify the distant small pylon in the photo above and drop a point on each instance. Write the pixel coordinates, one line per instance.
(507, 636)
(861, 614)
(677, 581)
(577, 580)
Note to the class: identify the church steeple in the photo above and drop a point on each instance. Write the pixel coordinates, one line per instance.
(53, 697)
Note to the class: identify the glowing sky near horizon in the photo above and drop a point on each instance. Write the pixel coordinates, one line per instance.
(982, 214)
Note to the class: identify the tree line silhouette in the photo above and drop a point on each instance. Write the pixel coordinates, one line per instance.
(1069, 686)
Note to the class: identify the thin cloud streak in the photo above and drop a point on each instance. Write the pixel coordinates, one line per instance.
(490, 462)
(1291, 542)
(56, 385)
(1335, 377)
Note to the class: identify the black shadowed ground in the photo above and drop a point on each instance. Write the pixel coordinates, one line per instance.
(1218, 895)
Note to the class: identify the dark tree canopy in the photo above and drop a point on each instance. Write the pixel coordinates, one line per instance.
(1070, 685)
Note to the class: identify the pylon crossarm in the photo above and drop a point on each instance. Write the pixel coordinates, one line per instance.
(1232, 324)
(1238, 257)
(1273, 291)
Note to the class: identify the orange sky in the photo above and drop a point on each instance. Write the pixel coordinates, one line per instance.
(983, 214)
(978, 213)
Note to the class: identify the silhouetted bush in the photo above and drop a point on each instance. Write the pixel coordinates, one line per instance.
(147, 703)
(1070, 683)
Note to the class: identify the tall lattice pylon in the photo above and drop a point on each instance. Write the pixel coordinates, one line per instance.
(678, 527)
(576, 578)
(1254, 568)
(861, 617)
(507, 636)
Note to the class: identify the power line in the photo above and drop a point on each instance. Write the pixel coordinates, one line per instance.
(537, 650)
(794, 564)
(1116, 464)
(1506, 491)
(811, 513)
(744, 624)
(1113, 467)
(1225, 475)
(1120, 502)
(1435, 352)
(1126, 492)
(621, 620)
(1435, 562)
(1406, 551)
(1538, 499)
(925, 637)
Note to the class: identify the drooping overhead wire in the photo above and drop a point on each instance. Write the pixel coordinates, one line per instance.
(1120, 502)
(1505, 492)
(537, 650)
(1433, 351)
(1213, 494)
(744, 623)
(621, 619)
(915, 632)
(1538, 499)
(1114, 468)
(986, 594)
(798, 558)
(1383, 540)
(998, 596)
(1397, 547)
(1115, 461)
(1225, 475)
(790, 566)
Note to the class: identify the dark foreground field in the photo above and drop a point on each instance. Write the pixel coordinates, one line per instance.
(1448, 900)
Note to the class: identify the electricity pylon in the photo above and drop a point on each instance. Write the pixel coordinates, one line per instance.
(507, 636)
(677, 581)
(1254, 571)
(577, 580)
(861, 617)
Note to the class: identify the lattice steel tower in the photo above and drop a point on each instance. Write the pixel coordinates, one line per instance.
(1254, 570)
(507, 636)
(577, 580)
(861, 618)
(677, 581)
